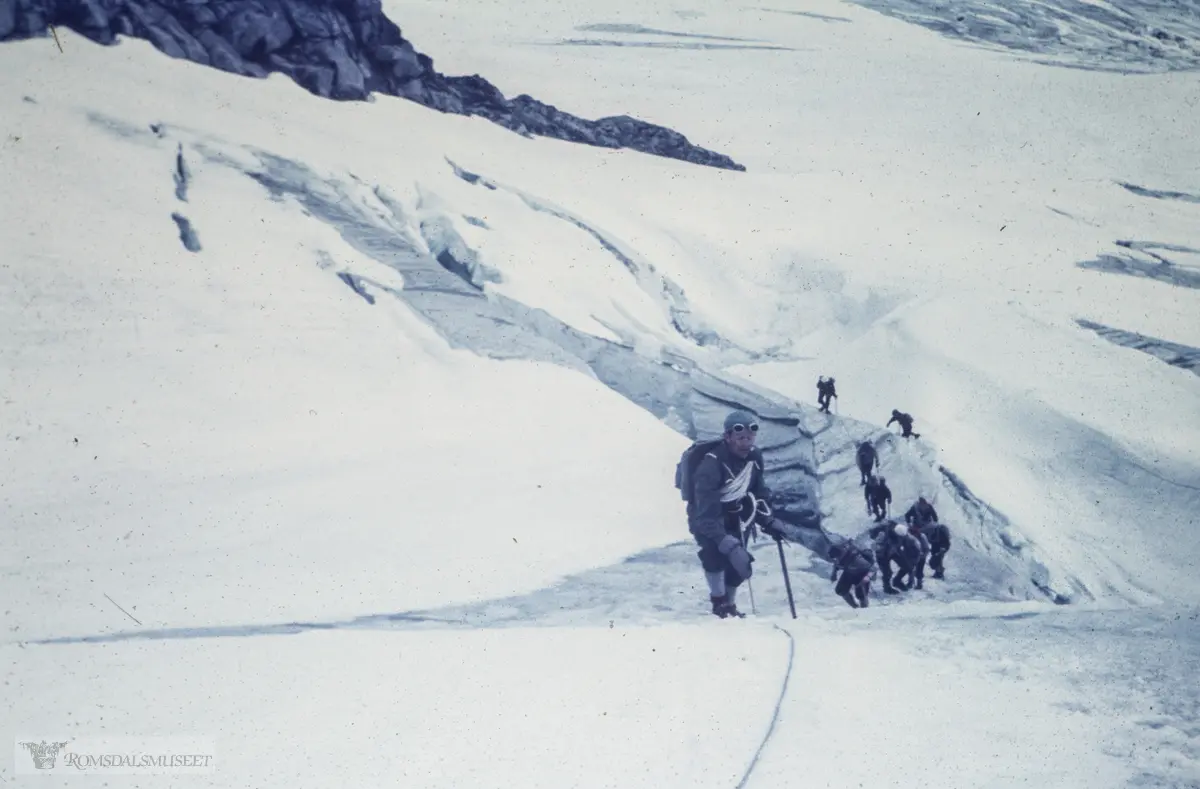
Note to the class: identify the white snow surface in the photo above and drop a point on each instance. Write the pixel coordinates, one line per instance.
(226, 480)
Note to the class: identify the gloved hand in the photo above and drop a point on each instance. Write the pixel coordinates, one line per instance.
(771, 529)
(738, 556)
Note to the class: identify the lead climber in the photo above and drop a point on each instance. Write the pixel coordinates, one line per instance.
(722, 481)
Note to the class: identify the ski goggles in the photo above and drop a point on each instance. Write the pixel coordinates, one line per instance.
(738, 428)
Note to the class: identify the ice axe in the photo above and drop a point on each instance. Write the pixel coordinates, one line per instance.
(787, 581)
(746, 536)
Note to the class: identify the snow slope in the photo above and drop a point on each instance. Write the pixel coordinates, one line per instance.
(912, 223)
(268, 416)
(231, 435)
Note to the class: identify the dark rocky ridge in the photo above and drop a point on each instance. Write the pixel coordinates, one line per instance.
(339, 49)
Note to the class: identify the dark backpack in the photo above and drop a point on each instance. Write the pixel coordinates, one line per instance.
(689, 461)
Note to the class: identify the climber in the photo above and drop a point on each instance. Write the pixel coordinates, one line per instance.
(919, 517)
(878, 496)
(905, 421)
(825, 391)
(720, 480)
(856, 565)
(938, 535)
(893, 543)
(921, 513)
(867, 459)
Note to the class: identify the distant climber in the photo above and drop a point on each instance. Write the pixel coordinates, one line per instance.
(878, 496)
(920, 513)
(893, 543)
(938, 535)
(856, 565)
(721, 480)
(825, 391)
(867, 459)
(905, 421)
(919, 517)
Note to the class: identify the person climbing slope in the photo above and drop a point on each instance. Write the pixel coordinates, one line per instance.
(855, 565)
(867, 459)
(938, 535)
(879, 498)
(826, 391)
(723, 483)
(905, 421)
(893, 543)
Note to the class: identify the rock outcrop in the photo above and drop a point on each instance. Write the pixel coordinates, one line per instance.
(340, 49)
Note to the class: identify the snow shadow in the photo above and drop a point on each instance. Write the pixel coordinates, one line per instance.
(187, 232)
(1145, 259)
(808, 14)
(608, 42)
(1175, 354)
(356, 284)
(613, 27)
(1159, 194)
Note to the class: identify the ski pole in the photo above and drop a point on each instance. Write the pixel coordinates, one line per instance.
(787, 582)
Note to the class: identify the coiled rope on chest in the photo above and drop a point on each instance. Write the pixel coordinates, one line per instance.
(737, 489)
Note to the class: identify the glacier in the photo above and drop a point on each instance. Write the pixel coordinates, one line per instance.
(345, 427)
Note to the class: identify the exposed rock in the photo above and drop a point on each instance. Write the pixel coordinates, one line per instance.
(340, 49)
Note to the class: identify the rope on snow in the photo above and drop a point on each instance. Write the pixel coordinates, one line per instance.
(778, 706)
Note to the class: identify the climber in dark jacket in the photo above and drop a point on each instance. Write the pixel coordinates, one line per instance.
(921, 513)
(855, 565)
(878, 496)
(938, 535)
(825, 392)
(867, 459)
(905, 421)
(920, 517)
(883, 544)
(729, 490)
(893, 543)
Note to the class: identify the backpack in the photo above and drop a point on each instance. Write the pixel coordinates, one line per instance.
(689, 461)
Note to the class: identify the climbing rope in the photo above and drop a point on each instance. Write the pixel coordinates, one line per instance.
(778, 706)
(748, 526)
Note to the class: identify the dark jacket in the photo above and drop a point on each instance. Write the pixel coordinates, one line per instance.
(939, 537)
(905, 551)
(921, 514)
(851, 559)
(866, 456)
(878, 493)
(708, 516)
(904, 420)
